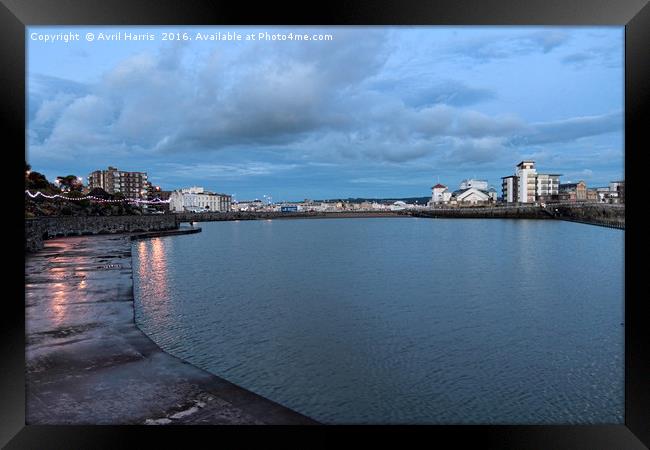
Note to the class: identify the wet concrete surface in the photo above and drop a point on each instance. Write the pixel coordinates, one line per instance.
(88, 363)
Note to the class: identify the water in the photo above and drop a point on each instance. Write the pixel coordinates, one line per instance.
(398, 320)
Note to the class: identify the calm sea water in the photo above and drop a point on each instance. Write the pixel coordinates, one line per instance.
(398, 320)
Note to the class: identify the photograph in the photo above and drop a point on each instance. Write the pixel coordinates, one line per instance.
(396, 313)
(328, 225)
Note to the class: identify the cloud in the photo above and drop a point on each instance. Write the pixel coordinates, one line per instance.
(223, 171)
(547, 40)
(390, 181)
(579, 58)
(610, 56)
(575, 176)
(51, 90)
(285, 96)
(570, 129)
(475, 152)
(496, 46)
(265, 110)
(418, 92)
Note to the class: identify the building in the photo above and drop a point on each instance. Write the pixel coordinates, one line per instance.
(248, 205)
(130, 184)
(528, 186)
(509, 188)
(439, 195)
(527, 175)
(196, 199)
(593, 195)
(573, 192)
(474, 196)
(614, 193)
(399, 205)
(617, 187)
(548, 187)
(155, 193)
(601, 195)
(472, 183)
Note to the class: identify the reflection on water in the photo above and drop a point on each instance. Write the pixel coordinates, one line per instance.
(59, 297)
(58, 303)
(398, 320)
(152, 266)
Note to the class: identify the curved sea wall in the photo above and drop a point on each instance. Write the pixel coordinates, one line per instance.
(41, 228)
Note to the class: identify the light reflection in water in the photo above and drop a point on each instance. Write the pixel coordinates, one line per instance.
(58, 305)
(61, 292)
(152, 265)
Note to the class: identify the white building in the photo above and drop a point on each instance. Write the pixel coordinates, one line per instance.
(250, 205)
(528, 186)
(526, 174)
(474, 196)
(509, 188)
(196, 199)
(472, 183)
(439, 195)
(399, 205)
(548, 185)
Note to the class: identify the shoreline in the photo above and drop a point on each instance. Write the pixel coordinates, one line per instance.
(87, 362)
(610, 216)
(39, 229)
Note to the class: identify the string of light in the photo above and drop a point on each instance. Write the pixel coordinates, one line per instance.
(97, 199)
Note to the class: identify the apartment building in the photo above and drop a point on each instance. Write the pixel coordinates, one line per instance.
(573, 192)
(528, 186)
(112, 180)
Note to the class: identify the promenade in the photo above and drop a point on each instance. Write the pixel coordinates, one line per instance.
(88, 363)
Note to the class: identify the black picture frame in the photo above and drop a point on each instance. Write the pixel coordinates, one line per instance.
(15, 15)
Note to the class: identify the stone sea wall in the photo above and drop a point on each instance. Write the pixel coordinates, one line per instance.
(596, 214)
(506, 212)
(261, 215)
(39, 229)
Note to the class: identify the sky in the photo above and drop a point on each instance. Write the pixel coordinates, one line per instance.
(372, 112)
